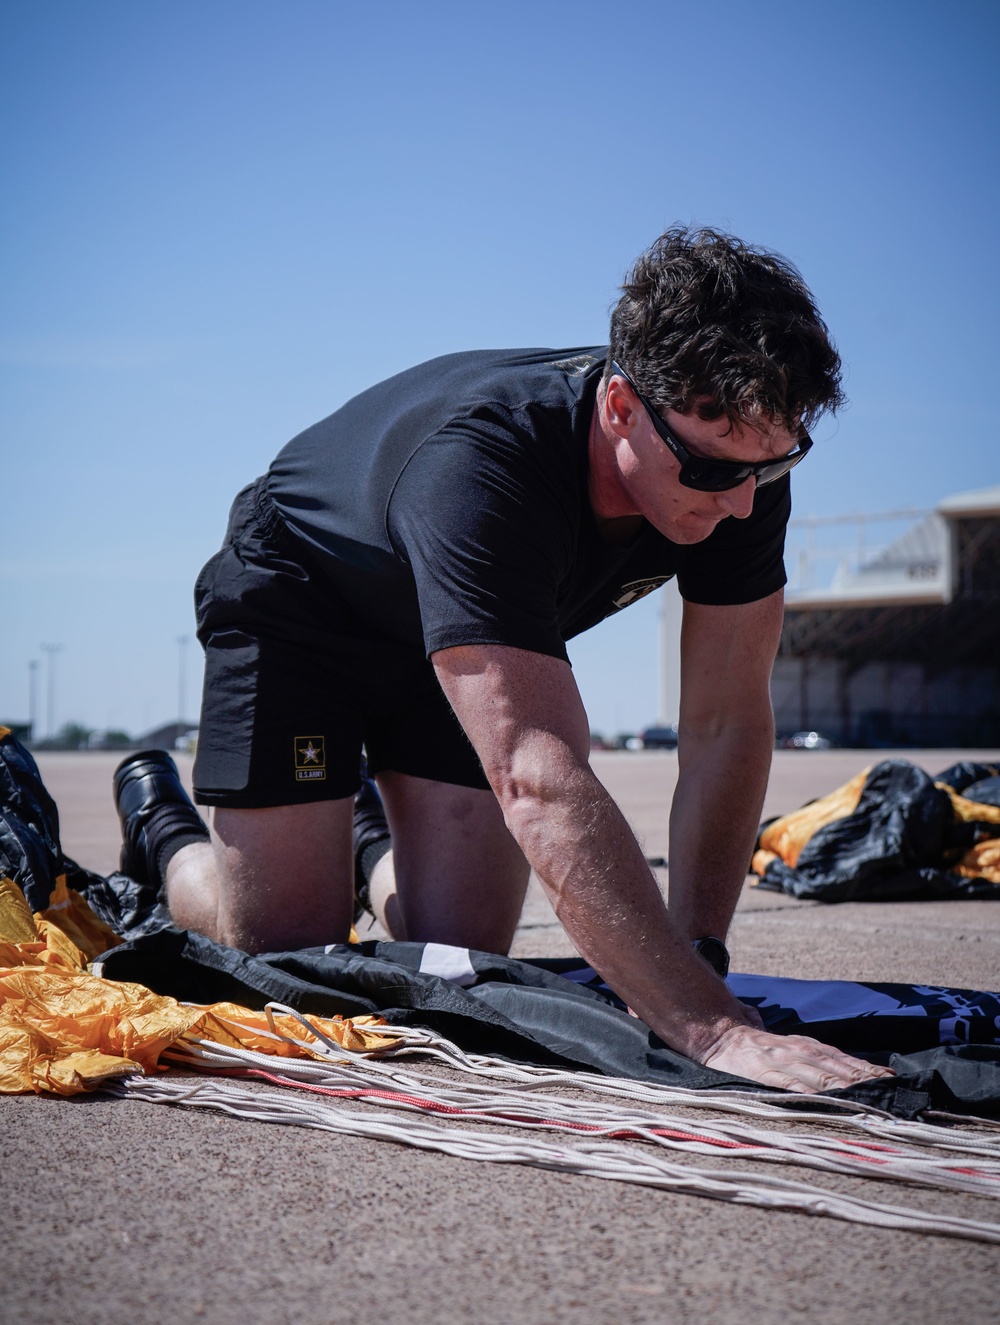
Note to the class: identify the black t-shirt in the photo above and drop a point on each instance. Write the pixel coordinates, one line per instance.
(448, 505)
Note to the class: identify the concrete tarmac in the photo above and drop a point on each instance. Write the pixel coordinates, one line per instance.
(122, 1211)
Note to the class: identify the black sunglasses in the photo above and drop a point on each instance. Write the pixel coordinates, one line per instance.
(717, 475)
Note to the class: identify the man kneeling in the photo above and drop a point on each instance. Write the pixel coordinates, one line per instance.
(404, 580)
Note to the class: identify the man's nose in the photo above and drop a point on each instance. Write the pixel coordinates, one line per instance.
(738, 501)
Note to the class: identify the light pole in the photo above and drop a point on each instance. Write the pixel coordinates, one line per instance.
(182, 643)
(51, 650)
(33, 698)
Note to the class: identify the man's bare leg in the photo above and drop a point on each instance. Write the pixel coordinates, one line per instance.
(455, 874)
(283, 878)
(271, 879)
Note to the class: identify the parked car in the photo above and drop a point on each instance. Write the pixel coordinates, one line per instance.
(659, 738)
(806, 741)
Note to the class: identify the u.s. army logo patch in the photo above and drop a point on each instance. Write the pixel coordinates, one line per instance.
(310, 759)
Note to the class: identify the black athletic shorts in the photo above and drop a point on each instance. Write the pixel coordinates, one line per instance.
(296, 683)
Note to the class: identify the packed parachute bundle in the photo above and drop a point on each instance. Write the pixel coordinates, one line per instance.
(892, 833)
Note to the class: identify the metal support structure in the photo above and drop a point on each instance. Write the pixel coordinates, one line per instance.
(805, 561)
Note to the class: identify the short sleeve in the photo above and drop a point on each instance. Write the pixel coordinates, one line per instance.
(742, 561)
(488, 536)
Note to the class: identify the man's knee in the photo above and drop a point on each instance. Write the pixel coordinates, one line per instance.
(457, 875)
(285, 875)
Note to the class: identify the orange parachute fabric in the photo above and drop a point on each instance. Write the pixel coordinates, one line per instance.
(64, 1030)
(785, 837)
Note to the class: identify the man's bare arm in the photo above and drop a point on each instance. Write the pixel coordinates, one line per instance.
(523, 714)
(726, 736)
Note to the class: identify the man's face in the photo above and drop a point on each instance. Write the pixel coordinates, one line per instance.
(644, 477)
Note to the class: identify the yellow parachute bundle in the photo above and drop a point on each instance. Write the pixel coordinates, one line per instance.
(902, 790)
(64, 1030)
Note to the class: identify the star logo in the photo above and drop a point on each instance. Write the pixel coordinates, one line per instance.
(310, 759)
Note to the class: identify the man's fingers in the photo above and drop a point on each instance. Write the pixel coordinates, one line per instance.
(789, 1062)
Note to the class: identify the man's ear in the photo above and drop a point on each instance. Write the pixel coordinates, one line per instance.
(620, 406)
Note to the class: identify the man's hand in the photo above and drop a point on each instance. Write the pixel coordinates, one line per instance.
(789, 1062)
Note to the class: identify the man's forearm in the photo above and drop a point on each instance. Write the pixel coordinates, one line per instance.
(713, 823)
(606, 898)
(523, 714)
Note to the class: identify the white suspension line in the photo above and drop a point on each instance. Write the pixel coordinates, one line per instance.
(475, 1102)
(789, 1107)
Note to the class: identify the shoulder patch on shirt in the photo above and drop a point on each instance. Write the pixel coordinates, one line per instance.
(578, 366)
(636, 589)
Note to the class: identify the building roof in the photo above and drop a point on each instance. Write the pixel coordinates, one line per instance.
(920, 567)
(983, 501)
(931, 597)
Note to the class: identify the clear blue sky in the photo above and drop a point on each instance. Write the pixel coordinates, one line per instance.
(223, 217)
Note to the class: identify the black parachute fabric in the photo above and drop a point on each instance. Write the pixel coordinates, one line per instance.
(899, 844)
(515, 1009)
(32, 856)
(560, 1013)
(30, 853)
(987, 791)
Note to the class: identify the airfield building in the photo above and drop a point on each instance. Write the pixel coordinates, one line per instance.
(901, 647)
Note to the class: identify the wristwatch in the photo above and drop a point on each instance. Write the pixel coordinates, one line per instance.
(715, 952)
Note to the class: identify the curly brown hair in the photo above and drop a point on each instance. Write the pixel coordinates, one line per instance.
(707, 323)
